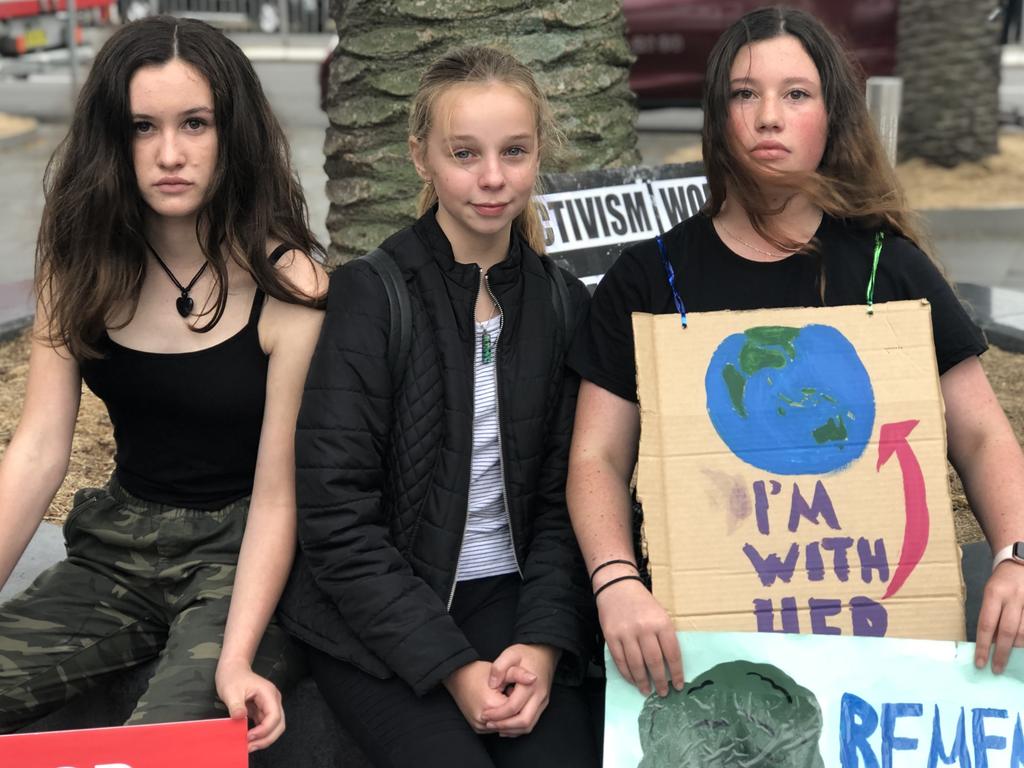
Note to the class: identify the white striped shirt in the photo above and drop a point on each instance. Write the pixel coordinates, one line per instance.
(487, 544)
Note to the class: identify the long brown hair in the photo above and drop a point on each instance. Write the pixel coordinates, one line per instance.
(854, 180)
(481, 64)
(90, 254)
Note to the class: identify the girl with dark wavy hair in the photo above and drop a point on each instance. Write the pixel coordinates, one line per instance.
(801, 201)
(174, 277)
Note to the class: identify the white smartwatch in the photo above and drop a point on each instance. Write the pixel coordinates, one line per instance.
(1013, 552)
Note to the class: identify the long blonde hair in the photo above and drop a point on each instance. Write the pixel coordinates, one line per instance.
(482, 64)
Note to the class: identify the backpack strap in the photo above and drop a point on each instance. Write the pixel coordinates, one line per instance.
(400, 331)
(560, 297)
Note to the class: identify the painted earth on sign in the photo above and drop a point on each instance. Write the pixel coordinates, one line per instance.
(791, 400)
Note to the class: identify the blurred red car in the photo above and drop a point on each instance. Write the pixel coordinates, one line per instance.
(673, 38)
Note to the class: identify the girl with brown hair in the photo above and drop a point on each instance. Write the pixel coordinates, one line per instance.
(173, 277)
(802, 201)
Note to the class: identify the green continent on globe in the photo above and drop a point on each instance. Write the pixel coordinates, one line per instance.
(736, 713)
(773, 346)
(759, 352)
(833, 429)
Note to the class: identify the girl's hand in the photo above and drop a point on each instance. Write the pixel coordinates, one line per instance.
(529, 669)
(469, 686)
(247, 695)
(988, 458)
(1001, 616)
(640, 637)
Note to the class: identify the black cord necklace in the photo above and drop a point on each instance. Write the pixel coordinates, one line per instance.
(184, 302)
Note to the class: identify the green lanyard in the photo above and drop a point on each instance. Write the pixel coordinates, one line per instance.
(879, 237)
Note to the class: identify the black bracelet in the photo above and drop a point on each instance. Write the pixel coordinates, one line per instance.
(606, 563)
(616, 580)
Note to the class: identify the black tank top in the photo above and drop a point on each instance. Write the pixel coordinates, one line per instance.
(186, 424)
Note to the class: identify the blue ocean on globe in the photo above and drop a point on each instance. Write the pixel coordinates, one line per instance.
(791, 401)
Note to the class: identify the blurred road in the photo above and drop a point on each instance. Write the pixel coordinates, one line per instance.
(972, 247)
(984, 248)
(291, 88)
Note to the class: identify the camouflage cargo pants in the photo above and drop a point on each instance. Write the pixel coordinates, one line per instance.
(141, 580)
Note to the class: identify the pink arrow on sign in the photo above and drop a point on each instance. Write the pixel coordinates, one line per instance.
(893, 439)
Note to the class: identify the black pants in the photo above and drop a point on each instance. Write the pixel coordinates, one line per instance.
(398, 729)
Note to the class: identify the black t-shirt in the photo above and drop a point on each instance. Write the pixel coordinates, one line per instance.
(710, 277)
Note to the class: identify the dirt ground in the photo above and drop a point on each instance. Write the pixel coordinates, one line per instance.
(11, 125)
(92, 453)
(997, 181)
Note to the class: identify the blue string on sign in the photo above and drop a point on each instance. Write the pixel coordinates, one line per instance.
(671, 273)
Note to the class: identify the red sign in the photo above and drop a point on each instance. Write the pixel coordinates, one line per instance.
(202, 744)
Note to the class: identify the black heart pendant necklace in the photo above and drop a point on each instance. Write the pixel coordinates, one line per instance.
(184, 302)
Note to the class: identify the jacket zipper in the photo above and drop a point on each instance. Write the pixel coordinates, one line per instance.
(469, 480)
(501, 442)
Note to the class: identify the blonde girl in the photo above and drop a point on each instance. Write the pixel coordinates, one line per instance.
(439, 588)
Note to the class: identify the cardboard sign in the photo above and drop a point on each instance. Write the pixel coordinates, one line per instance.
(783, 701)
(792, 471)
(590, 216)
(200, 744)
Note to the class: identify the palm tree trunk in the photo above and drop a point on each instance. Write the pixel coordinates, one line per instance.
(576, 48)
(948, 57)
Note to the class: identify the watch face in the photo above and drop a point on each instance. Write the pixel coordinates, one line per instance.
(1018, 550)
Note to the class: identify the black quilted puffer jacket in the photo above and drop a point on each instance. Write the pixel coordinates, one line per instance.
(382, 476)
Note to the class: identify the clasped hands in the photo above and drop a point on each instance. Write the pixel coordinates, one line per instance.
(508, 695)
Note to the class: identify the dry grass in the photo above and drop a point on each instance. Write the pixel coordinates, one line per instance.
(1004, 371)
(998, 181)
(11, 125)
(92, 454)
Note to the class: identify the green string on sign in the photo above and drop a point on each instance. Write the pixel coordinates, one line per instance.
(879, 237)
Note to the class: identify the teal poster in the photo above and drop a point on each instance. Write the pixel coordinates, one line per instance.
(806, 701)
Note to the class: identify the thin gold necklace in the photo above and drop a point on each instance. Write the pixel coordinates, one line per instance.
(751, 246)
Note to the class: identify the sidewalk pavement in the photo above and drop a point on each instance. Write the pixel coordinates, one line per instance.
(981, 249)
(1013, 55)
(261, 47)
(16, 307)
(983, 253)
